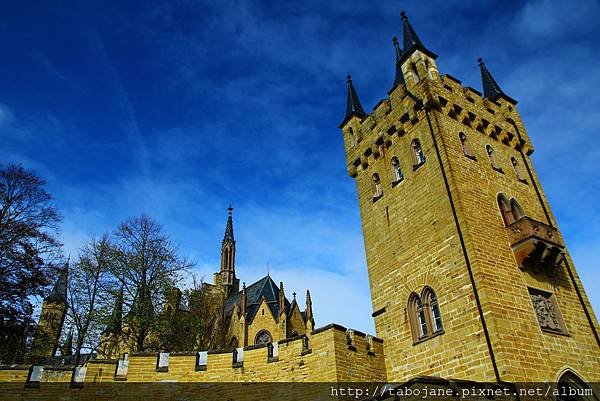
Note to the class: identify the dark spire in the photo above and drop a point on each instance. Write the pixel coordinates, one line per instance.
(67, 348)
(491, 89)
(115, 324)
(399, 78)
(411, 40)
(59, 291)
(229, 227)
(353, 106)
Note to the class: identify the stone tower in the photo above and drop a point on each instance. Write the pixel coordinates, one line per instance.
(52, 318)
(469, 275)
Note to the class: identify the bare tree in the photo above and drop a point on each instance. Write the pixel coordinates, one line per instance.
(29, 253)
(145, 262)
(91, 293)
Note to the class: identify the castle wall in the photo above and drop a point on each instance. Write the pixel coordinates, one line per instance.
(328, 359)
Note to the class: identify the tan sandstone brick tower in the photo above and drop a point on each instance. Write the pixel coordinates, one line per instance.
(469, 275)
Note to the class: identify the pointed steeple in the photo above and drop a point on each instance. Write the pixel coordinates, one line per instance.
(491, 89)
(59, 291)
(115, 324)
(229, 227)
(353, 106)
(308, 313)
(281, 299)
(411, 41)
(399, 78)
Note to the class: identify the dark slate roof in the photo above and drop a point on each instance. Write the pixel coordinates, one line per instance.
(229, 227)
(353, 106)
(399, 78)
(411, 40)
(491, 89)
(263, 288)
(59, 291)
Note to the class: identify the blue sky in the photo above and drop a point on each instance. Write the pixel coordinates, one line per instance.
(177, 109)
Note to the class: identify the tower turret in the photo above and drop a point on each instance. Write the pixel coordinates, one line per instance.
(417, 61)
(52, 318)
(399, 77)
(353, 106)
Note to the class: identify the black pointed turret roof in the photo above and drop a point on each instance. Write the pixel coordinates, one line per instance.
(59, 291)
(229, 227)
(353, 106)
(491, 89)
(399, 77)
(115, 325)
(411, 41)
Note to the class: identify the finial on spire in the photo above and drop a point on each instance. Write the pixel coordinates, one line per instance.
(353, 106)
(411, 40)
(399, 77)
(491, 89)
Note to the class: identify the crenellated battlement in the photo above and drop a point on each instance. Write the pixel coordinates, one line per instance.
(331, 353)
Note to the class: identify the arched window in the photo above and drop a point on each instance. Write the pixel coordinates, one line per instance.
(424, 315)
(263, 337)
(518, 170)
(351, 137)
(505, 210)
(434, 309)
(572, 388)
(398, 176)
(416, 77)
(517, 211)
(376, 187)
(492, 157)
(234, 343)
(417, 154)
(466, 146)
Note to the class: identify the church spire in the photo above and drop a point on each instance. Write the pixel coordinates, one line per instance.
(115, 324)
(491, 89)
(399, 78)
(308, 313)
(230, 282)
(411, 40)
(353, 106)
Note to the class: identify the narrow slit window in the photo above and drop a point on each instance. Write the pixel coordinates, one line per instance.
(398, 176)
(417, 154)
(376, 187)
(493, 160)
(518, 170)
(466, 146)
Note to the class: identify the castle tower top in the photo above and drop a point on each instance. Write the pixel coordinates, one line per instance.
(411, 41)
(491, 89)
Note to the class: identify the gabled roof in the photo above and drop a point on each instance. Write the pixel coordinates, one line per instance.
(263, 288)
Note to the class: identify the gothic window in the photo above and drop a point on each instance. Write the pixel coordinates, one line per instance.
(424, 315)
(417, 154)
(516, 210)
(505, 211)
(546, 311)
(493, 160)
(466, 146)
(398, 176)
(351, 137)
(518, 170)
(263, 337)
(376, 187)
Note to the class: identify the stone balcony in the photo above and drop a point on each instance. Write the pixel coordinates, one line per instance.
(536, 245)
